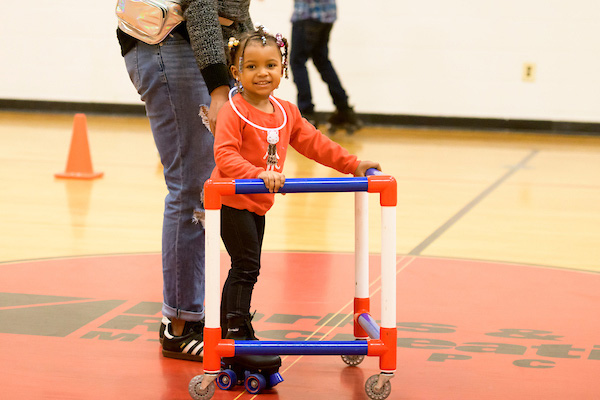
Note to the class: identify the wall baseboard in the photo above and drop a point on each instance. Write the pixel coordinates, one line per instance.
(71, 107)
(520, 125)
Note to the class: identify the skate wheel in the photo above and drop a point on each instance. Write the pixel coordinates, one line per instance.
(275, 378)
(375, 394)
(196, 391)
(353, 360)
(254, 383)
(226, 379)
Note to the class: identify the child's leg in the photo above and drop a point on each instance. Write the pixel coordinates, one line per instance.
(242, 232)
(320, 57)
(300, 52)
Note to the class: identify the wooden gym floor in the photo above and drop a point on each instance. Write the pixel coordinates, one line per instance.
(498, 242)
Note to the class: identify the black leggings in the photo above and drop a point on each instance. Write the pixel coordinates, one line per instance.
(242, 232)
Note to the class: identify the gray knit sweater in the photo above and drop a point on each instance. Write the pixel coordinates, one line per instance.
(209, 39)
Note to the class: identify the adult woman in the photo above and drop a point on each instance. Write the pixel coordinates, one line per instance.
(174, 79)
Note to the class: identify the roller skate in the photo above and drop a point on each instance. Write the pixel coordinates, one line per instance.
(311, 117)
(255, 372)
(344, 119)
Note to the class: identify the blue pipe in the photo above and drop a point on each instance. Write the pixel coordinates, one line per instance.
(373, 171)
(306, 185)
(369, 325)
(314, 348)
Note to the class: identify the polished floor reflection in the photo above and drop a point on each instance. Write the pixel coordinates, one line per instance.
(497, 266)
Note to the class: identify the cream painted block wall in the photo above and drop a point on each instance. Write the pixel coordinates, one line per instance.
(433, 57)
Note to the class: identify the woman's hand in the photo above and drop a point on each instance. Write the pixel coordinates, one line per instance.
(273, 180)
(218, 98)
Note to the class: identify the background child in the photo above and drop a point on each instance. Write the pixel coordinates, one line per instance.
(312, 22)
(252, 136)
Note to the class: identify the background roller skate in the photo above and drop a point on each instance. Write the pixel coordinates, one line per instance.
(311, 117)
(343, 119)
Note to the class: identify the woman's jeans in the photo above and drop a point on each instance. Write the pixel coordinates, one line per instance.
(170, 84)
(242, 232)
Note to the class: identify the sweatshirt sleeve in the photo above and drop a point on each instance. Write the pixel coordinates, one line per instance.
(228, 147)
(206, 39)
(310, 142)
(207, 35)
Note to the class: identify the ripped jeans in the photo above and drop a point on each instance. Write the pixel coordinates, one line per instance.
(170, 84)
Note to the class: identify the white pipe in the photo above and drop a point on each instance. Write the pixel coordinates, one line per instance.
(212, 268)
(388, 267)
(361, 245)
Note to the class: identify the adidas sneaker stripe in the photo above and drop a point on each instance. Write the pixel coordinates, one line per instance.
(193, 347)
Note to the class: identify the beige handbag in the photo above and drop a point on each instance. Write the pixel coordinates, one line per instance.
(149, 20)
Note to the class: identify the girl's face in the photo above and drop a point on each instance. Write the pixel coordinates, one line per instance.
(261, 70)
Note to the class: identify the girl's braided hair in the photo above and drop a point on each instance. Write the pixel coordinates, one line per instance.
(260, 35)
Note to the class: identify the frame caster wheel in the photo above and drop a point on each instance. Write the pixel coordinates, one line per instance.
(378, 387)
(254, 383)
(197, 392)
(353, 360)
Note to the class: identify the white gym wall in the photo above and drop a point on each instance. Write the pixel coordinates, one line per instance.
(455, 58)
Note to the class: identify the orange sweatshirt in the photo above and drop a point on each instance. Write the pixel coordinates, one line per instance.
(241, 149)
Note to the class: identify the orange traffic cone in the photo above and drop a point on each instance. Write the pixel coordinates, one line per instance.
(79, 163)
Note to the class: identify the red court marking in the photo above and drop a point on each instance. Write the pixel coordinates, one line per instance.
(467, 329)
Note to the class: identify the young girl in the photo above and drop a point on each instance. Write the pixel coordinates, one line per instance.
(252, 136)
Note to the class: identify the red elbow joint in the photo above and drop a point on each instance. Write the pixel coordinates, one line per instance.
(214, 189)
(386, 186)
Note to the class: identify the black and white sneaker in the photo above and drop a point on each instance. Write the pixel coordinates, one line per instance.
(161, 331)
(188, 346)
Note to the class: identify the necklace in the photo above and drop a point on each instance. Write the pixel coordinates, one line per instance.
(253, 124)
(272, 133)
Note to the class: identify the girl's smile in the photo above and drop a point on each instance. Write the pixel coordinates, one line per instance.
(261, 72)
